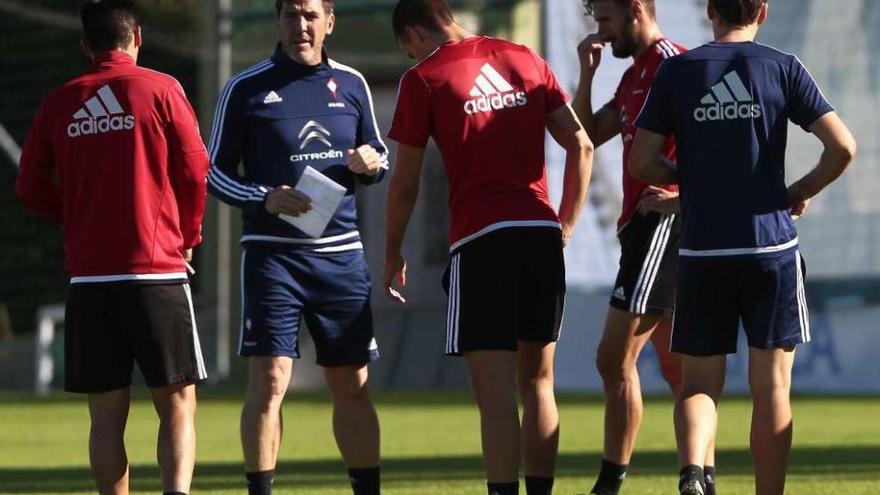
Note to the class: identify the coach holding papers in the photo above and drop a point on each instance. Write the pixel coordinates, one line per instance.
(296, 110)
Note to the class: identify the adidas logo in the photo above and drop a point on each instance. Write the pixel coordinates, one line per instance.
(100, 114)
(728, 100)
(619, 293)
(272, 97)
(492, 92)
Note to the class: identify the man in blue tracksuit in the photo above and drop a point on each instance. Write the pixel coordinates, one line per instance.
(295, 110)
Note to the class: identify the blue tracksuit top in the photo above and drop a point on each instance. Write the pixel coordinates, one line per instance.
(278, 117)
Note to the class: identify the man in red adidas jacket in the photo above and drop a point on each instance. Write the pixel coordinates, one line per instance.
(116, 158)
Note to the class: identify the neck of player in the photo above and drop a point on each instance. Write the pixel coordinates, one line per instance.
(453, 32)
(647, 37)
(735, 34)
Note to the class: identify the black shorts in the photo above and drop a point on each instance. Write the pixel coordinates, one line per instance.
(503, 287)
(648, 265)
(109, 326)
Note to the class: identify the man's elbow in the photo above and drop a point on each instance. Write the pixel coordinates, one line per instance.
(848, 150)
(580, 144)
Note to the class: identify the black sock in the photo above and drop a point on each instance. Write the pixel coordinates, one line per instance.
(709, 479)
(260, 482)
(692, 472)
(610, 478)
(174, 493)
(538, 485)
(503, 488)
(364, 481)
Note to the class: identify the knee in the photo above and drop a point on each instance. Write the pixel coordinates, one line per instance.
(347, 384)
(268, 385)
(175, 400)
(534, 387)
(614, 368)
(765, 388)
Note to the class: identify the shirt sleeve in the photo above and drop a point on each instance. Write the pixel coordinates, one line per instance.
(657, 114)
(806, 101)
(554, 95)
(368, 133)
(188, 164)
(412, 117)
(225, 152)
(37, 183)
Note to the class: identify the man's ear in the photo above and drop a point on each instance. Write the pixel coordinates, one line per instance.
(331, 23)
(765, 11)
(138, 37)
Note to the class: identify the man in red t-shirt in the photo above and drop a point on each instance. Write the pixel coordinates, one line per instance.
(115, 156)
(487, 103)
(643, 296)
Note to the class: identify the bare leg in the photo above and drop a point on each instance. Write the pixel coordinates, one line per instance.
(770, 384)
(261, 415)
(355, 423)
(540, 421)
(493, 377)
(109, 414)
(696, 416)
(176, 449)
(624, 337)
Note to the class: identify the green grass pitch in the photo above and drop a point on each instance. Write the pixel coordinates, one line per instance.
(430, 445)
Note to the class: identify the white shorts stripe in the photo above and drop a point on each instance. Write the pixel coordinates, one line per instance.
(455, 292)
(241, 285)
(803, 309)
(200, 360)
(655, 253)
(658, 260)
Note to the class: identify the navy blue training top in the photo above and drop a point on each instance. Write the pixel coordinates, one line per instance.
(728, 105)
(275, 119)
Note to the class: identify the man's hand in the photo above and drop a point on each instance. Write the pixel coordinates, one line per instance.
(797, 202)
(590, 54)
(395, 270)
(656, 199)
(285, 199)
(364, 160)
(567, 232)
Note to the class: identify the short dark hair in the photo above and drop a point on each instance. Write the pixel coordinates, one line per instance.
(108, 24)
(429, 14)
(649, 4)
(737, 12)
(328, 6)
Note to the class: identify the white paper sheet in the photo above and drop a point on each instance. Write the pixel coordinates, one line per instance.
(325, 195)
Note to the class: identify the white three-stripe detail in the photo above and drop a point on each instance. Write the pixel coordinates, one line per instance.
(733, 91)
(803, 310)
(489, 82)
(453, 310)
(648, 274)
(200, 361)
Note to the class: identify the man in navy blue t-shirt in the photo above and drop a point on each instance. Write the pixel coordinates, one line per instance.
(728, 103)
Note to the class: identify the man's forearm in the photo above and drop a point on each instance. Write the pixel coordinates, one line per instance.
(578, 168)
(398, 211)
(831, 166)
(583, 104)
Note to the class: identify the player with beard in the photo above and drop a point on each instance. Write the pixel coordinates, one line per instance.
(643, 296)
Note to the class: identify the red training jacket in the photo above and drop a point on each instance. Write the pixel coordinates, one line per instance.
(115, 156)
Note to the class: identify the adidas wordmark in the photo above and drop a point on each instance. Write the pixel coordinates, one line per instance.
(100, 114)
(492, 92)
(728, 100)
